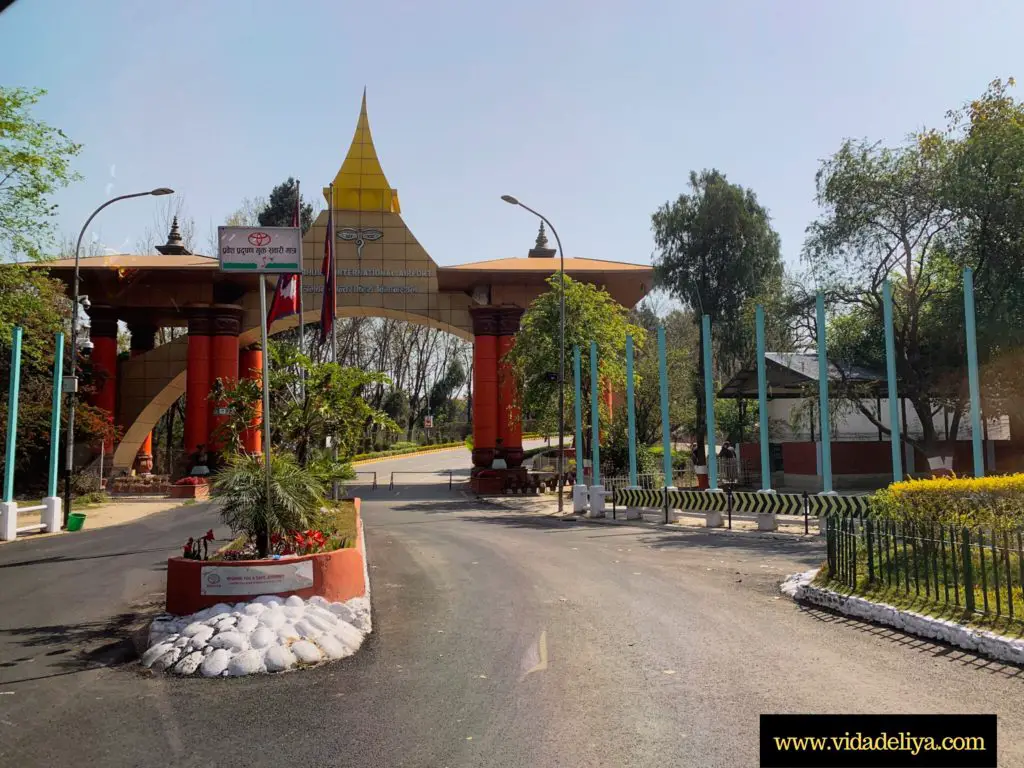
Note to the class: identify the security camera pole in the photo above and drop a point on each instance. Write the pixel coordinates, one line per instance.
(71, 381)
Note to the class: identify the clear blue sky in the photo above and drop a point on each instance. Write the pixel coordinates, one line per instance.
(592, 112)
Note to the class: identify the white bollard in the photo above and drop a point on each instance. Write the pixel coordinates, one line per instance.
(580, 500)
(596, 501)
(631, 512)
(714, 519)
(672, 517)
(8, 520)
(767, 521)
(52, 517)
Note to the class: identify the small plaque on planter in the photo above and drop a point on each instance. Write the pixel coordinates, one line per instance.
(257, 579)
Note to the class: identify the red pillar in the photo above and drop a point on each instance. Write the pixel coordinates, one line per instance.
(250, 365)
(225, 325)
(485, 385)
(143, 340)
(103, 334)
(197, 382)
(510, 421)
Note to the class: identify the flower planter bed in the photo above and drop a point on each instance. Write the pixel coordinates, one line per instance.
(336, 576)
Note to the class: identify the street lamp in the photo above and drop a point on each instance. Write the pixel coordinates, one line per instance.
(561, 349)
(75, 306)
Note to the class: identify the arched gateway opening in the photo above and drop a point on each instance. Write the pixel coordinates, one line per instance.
(382, 271)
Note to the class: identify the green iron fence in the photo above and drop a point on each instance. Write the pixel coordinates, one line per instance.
(979, 571)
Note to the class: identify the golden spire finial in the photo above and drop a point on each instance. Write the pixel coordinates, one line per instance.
(360, 184)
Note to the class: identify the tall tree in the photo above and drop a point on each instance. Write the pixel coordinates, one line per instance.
(280, 208)
(35, 161)
(885, 219)
(591, 314)
(716, 252)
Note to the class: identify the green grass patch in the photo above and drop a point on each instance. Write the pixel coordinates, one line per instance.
(405, 450)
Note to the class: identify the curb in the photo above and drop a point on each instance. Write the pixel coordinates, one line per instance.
(999, 647)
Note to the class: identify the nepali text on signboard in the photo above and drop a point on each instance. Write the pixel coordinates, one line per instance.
(260, 249)
(257, 579)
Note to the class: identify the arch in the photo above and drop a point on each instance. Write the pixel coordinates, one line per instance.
(172, 357)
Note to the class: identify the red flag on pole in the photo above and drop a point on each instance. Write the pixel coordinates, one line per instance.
(330, 303)
(286, 294)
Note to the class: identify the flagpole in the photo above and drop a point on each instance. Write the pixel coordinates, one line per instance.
(332, 233)
(266, 397)
(302, 264)
(334, 266)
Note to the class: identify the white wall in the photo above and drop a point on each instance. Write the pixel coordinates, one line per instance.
(851, 424)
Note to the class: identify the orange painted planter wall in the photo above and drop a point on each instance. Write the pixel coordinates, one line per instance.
(337, 576)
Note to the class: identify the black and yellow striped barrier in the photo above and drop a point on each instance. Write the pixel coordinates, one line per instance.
(744, 501)
(773, 503)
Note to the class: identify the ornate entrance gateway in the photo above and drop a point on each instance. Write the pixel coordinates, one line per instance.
(382, 271)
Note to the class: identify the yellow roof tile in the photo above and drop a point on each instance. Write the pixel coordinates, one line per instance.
(360, 184)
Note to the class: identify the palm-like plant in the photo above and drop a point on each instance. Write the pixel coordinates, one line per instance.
(296, 496)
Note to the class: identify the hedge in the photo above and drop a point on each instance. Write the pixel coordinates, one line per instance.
(994, 503)
(402, 451)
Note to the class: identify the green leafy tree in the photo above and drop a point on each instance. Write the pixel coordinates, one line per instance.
(718, 254)
(35, 161)
(280, 207)
(303, 417)
(591, 314)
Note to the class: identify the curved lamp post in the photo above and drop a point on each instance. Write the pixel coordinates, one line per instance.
(73, 395)
(561, 347)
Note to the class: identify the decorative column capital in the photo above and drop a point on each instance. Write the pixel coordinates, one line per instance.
(143, 337)
(198, 321)
(485, 320)
(225, 320)
(509, 318)
(103, 322)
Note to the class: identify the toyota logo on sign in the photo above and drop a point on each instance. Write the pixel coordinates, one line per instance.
(259, 239)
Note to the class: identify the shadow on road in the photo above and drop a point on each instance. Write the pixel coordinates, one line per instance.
(914, 643)
(63, 559)
(54, 650)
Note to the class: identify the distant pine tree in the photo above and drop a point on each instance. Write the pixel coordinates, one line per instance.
(280, 208)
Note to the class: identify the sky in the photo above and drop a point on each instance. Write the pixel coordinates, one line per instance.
(593, 113)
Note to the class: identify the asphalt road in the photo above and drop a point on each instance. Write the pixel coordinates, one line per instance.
(500, 639)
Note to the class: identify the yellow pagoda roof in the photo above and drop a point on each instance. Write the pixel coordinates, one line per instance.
(360, 184)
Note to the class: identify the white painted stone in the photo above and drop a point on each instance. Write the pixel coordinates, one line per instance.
(294, 601)
(216, 663)
(167, 660)
(278, 658)
(287, 633)
(202, 637)
(154, 653)
(306, 652)
(262, 637)
(348, 635)
(225, 624)
(294, 611)
(182, 641)
(323, 614)
(332, 647)
(343, 611)
(232, 640)
(245, 663)
(194, 629)
(189, 663)
(247, 624)
(318, 601)
(254, 609)
(273, 618)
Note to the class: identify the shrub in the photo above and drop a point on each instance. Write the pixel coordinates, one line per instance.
(296, 494)
(995, 503)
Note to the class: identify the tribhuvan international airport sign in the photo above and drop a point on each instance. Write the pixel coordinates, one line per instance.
(272, 250)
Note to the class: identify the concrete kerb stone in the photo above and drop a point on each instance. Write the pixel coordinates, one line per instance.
(999, 647)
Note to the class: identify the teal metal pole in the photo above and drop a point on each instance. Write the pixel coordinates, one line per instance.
(595, 415)
(578, 408)
(12, 414)
(666, 436)
(58, 376)
(762, 400)
(709, 404)
(890, 376)
(630, 411)
(826, 429)
(972, 373)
